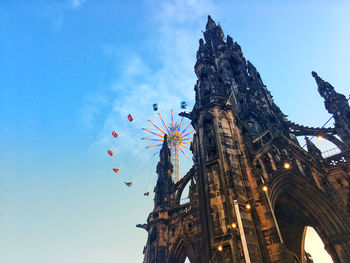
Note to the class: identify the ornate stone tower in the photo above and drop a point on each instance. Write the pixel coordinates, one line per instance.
(253, 188)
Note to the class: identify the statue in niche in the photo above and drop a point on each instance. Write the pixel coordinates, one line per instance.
(206, 75)
(210, 144)
(205, 88)
(226, 72)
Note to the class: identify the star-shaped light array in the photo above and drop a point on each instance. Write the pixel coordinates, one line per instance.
(176, 137)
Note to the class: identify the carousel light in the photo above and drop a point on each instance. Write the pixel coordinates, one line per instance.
(220, 248)
(286, 165)
(319, 138)
(265, 188)
(248, 206)
(234, 225)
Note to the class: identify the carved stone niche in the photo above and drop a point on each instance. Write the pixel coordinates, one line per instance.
(225, 70)
(205, 75)
(209, 138)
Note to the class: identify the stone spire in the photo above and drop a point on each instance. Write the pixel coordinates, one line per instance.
(164, 151)
(325, 89)
(164, 183)
(210, 24)
(213, 32)
(226, 78)
(338, 105)
(332, 99)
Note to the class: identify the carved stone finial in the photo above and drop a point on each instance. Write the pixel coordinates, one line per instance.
(251, 69)
(324, 88)
(201, 42)
(320, 82)
(210, 24)
(331, 97)
(229, 40)
(165, 142)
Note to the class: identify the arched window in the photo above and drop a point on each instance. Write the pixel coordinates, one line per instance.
(187, 260)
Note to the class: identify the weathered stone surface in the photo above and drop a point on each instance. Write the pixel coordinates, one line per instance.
(243, 141)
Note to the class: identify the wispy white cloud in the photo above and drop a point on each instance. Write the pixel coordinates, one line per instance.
(177, 27)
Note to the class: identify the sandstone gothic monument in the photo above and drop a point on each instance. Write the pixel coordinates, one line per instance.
(253, 187)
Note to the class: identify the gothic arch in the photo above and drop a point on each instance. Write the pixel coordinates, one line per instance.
(182, 248)
(298, 204)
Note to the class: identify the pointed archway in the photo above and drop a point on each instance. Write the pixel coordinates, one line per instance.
(297, 204)
(182, 250)
(314, 247)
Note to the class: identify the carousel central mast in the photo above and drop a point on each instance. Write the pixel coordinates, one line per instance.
(174, 141)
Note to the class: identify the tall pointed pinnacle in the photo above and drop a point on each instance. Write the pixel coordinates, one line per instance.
(319, 81)
(213, 32)
(164, 170)
(210, 24)
(325, 89)
(333, 101)
(336, 104)
(164, 166)
(164, 151)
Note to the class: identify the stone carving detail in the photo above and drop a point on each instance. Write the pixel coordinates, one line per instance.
(210, 140)
(226, 72)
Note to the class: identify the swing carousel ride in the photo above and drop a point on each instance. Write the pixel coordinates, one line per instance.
(178, 139)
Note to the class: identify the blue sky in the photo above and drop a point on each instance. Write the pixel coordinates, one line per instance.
(72, 70)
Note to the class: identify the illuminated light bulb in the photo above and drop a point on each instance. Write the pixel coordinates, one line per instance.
(248, 206)
(286, 165)
(233, 225)
(220, 248)
(265, 188)
(319, 138)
